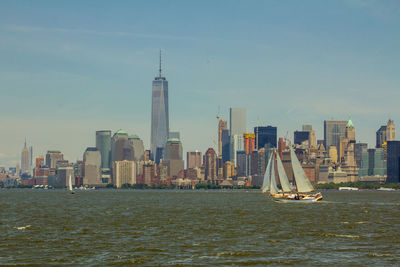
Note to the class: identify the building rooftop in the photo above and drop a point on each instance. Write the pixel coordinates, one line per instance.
(120, 131)
(134, 137)
(173, 140)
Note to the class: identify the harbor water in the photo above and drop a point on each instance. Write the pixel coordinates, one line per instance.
(150, 227)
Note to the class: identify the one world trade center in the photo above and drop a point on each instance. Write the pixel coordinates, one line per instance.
(159, 116)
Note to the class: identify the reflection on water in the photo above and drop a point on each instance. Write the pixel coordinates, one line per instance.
(197, 227)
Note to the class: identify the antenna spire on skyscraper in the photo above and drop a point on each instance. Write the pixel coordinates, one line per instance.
(160, 64)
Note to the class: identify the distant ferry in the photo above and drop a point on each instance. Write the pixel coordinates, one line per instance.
(346, 188)
(386, 189)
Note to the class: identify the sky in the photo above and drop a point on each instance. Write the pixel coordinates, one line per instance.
(69, 68)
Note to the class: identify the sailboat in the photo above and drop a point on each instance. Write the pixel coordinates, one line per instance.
(303, 185)
(71, 190)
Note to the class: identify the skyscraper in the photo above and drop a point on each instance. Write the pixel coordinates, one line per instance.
(193, 159)
(265, 135)
(159, 115)
(248, 143)
(237, 121)
(119, 142)
(333, 130)
(381, 136)
(210, 165)
(393, 161)
(124, 172)
(138, 147)
(226, 143)
(221, 127)
(92, 169)
(25, 160)
(173, 156)
(103, 144)
(390, 131)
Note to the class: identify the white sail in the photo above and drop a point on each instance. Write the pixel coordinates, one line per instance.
(267, 178)
(274, 188)
(302, 182)
(70, 183)
(282, 175)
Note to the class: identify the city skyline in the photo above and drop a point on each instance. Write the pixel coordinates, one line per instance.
(60, 83)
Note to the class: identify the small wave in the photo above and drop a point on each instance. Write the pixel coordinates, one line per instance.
(21, 228)
(373, 255)
(340, 235)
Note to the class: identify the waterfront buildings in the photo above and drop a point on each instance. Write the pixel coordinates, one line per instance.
(92, 167)
(159, 116)
(265, 136)
(103, 145)
(358, 148)
(393, 161)
(226, 145)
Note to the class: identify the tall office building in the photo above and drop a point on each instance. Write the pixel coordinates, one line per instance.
(118, 143)
(226, 143)
(358, 148)
(381, 136)
(333, 130)
(25, 159)
(393, 162)
(242, 163)
(249, 142)
(159, 115)
(237, 144)
(301, 136)
(193, 159)
(372, 162)
(137, 146)
(265, 135)
(237, 121)
(390, 131)
(173, 156)
(103, 144)
(92, 166)
(124, 172)
(210, 162)
(222, 125)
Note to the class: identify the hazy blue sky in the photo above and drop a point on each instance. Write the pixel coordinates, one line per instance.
(70, 68)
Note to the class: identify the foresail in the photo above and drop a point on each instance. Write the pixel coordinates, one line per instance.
(274, 188)
(302, 182)
(266, 182)
(282, 175)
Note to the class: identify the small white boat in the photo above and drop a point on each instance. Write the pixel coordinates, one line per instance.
(303, 185)
(346, 188)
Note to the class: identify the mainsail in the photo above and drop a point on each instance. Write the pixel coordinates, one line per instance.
(302, 182)
(282, 175)
(70, 183)
(267, 177)
(274, 188)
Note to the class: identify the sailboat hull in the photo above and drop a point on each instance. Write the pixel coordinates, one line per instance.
(301, 199)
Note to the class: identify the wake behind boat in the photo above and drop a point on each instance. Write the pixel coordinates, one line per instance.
(303, 186)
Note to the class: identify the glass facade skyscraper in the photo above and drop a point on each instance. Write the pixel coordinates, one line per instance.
(159, 115)
(265, 135)
(103, 144)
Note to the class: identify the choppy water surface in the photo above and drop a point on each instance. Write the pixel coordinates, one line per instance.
(197, 228)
